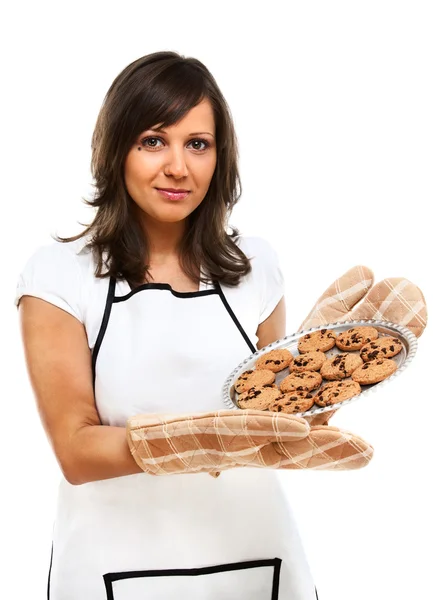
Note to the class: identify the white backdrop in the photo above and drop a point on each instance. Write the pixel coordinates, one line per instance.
(332, 106)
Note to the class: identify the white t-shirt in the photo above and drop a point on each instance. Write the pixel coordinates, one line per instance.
(63, 274)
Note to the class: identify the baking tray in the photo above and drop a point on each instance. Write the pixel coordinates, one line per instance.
(407, 338)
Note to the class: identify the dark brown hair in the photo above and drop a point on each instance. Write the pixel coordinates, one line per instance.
(161, 88)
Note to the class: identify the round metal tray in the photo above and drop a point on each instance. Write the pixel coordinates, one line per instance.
(403, 358)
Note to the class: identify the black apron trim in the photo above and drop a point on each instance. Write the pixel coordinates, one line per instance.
(233, 316)
(109, 578)
(276, 581)
(164, 286)
(103, 328)
(49, 573)
(111, 298)
(317, 595)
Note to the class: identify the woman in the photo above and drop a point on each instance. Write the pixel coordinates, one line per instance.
(158, 305)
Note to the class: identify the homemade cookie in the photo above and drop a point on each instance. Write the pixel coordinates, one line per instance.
(356, 337)
(302, 382)
(322, 340)
(337, 391)
(340, 366)
(249, 379)
(384, 347)
(259, 398)
(293, 402)
(275, 360)
(374, 371)
(309, 361)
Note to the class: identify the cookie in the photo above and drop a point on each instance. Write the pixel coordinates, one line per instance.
(322, 340)
(275, 360)
(293, 402)
(259, 398)
(356, 337)
(384, 347)
(309, 361)
(340, 366)
(249, 379)
(337, 391)
(374, 371)
(302, 382)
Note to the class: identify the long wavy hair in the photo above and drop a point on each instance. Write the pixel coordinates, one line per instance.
(161, 88)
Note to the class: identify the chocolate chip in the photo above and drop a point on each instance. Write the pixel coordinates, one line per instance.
(323, 331)
(365, 367)
(391, 348)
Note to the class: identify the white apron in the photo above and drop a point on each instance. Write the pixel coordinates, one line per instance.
(190, 536)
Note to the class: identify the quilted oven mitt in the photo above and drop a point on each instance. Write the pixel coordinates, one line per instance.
(353, 297)
(215, 441)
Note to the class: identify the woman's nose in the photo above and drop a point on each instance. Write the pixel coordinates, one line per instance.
(176, 163)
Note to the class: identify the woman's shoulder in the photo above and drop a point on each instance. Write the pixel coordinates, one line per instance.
(259, 250)
(60, 273)
(264, 285)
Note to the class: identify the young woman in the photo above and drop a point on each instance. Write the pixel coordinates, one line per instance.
(148, 311)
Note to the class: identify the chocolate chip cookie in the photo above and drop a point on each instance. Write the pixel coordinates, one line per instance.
(308, 361)
(356, 337)
(275, 360)
(383, 347)
(322, 340)
(340, 366)
(374, 371)
(250, 378)
(293, 402)
(302, 382)
(337, 391)
(259, 398)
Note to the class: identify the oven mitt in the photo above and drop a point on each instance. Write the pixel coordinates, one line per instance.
(215, 441)
(353, 297)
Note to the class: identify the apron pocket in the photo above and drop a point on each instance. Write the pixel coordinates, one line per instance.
(249, 580)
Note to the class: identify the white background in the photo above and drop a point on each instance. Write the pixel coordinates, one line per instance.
(332, 103)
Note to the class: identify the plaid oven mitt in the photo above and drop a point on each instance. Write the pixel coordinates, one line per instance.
(215, 441)
(352, 297)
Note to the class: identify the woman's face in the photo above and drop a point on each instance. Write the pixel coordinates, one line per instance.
(183, 156)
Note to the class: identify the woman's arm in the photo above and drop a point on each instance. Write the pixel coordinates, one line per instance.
(59, 363)
(274, 327)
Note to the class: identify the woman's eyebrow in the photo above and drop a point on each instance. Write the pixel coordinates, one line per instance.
(195, 133)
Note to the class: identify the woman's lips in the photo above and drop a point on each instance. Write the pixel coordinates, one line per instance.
(173, 195)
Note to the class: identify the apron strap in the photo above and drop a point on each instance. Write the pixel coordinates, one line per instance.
(233, 316)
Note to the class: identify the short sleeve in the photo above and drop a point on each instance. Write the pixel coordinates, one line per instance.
(271, 280)
(52, 273)
(266, 278)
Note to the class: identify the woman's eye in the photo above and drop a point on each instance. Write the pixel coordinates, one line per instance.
(149, 142)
